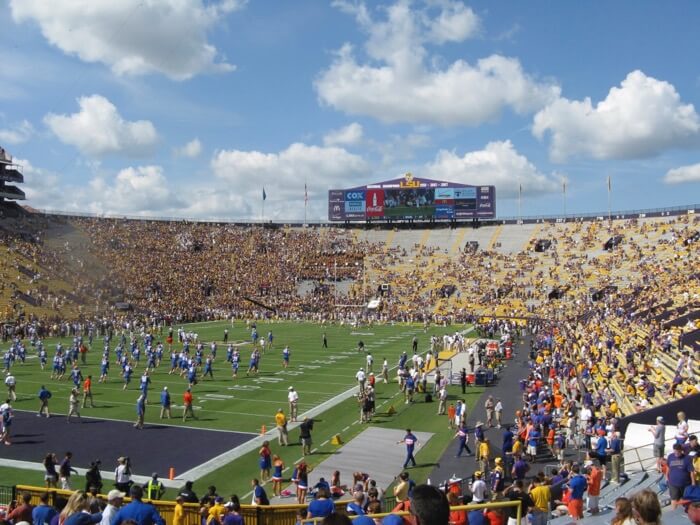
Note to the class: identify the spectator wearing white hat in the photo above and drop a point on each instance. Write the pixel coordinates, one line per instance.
(115, 498)
(361, 378)
(293, 398)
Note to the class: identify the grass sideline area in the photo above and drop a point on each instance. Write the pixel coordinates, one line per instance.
(246, 404)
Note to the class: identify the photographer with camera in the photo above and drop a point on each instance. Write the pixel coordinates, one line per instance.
(93, 478)
(122, 474)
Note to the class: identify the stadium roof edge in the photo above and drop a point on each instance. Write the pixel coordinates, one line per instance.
(688, 209)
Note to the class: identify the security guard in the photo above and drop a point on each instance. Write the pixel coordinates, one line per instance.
(154, 489)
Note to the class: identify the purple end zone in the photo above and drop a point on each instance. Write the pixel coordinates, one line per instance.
(156, 448)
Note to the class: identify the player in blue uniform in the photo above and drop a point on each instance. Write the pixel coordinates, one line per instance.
(235, 362)
(208, 370)
(174, 358)
(42, 357)
(76, 375)
(126, 374)
(104, 369)
(144, 384)
(192, 375)
(7, 361)
(285, 356)
(159, 353)
(229, 353)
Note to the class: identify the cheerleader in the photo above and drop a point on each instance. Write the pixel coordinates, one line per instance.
(277, 468)
(265, 461)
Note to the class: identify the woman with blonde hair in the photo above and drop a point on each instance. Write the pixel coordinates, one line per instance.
(681, 429)
(77, 511)
(623, 512)
(278, 467)
(646, 508)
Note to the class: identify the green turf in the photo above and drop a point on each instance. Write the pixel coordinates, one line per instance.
(318, 375)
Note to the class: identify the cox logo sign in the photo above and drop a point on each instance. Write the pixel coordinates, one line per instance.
(354, 195)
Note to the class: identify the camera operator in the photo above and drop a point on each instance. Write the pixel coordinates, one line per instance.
(93, 478)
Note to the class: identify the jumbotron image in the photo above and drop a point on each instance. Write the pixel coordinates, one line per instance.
(370, 263)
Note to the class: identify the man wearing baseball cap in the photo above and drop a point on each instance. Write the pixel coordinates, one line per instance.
(293, 398)
(281, 424)
(115, 499)
(659, 433)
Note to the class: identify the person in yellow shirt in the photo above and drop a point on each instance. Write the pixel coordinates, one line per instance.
(541, 495)
(179, 512)
(216, 511)
(401, 488)
(517, 448)
(484, 455)
(281, 423)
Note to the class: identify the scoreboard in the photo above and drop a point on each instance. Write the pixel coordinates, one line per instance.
(412, 198)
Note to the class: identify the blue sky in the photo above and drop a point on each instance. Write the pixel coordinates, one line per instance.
(188, 108)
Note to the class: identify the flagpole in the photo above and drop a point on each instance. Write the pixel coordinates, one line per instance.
(609, 205)
(520, 198)
(564, 197)
(306, 201)
(262, 212)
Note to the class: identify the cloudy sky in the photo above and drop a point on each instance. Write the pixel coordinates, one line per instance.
(189, 107)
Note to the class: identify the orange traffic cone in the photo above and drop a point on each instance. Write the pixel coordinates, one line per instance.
(171, 474)
(263, 430)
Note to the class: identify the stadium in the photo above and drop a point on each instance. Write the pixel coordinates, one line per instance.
(579, 297)
(344, 315)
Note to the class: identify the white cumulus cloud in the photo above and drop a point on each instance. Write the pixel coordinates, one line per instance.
(400, 83)
(192, 149)
(17, 134)
(284, 174)
(98, 129)
(133, 36)
(640, 118)
(141, 190)
(41, 186)
(498, 164)
(347, 135)
(683, 174)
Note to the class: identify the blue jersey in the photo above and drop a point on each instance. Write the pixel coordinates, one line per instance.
(285, 354)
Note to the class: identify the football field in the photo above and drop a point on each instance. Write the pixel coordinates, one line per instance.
(235, 410)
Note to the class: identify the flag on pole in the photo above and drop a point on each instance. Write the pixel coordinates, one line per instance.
(563, 186)
(306, 194)
(264, 194)
(520, 190)
(609, 184)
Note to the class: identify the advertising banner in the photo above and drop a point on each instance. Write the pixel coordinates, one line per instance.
(444, 196)
(375, 203)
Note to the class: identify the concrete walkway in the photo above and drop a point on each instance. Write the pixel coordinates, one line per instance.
(373, 451)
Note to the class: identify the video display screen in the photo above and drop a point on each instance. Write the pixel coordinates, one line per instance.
(415, 198)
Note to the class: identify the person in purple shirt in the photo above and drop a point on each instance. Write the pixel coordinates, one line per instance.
(520, 469)
(680, 473)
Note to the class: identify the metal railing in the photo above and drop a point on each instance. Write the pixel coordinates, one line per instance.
(467, 508)
(7, 494)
